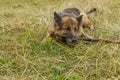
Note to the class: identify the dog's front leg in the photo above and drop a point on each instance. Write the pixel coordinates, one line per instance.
(44, 40)
(85, 36)
(49, 33)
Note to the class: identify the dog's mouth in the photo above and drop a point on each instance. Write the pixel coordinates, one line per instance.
(70, 42)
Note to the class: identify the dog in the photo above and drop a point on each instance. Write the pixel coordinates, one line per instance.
(69, 26)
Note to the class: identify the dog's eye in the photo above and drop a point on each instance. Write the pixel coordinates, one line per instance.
(67, 28)
(88, 17)
(75, 29)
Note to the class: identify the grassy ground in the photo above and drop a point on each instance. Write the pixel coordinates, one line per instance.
(23, 24)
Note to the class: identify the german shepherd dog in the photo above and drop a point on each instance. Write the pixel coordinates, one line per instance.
(69, 26)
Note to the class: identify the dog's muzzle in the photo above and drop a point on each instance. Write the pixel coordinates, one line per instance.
(71, 40)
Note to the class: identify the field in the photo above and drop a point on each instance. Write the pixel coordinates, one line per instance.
(23, 25)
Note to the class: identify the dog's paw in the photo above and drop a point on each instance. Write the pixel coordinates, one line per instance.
(49, 39)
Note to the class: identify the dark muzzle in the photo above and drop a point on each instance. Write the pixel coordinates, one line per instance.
(71, 40)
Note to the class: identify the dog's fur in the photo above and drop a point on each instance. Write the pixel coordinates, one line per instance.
(69, 24)
(74, 12)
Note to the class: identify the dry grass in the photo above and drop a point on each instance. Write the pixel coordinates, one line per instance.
(23, 24)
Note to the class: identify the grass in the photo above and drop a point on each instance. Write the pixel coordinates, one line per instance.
(23, 24)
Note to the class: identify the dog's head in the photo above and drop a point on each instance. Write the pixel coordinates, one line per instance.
(67, 28)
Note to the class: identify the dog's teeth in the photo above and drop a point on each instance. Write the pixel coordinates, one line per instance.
(70, 40)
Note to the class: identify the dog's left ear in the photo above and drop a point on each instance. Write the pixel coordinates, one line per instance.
(57, 18)
(80, 19)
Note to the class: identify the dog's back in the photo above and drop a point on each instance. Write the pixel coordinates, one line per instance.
(71, 12)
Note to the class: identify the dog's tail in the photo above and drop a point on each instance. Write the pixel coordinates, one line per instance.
(91, 11)
(102, 40)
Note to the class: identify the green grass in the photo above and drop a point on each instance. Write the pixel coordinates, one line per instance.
(23, 25)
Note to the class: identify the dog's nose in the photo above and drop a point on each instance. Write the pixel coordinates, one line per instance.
(74, 39)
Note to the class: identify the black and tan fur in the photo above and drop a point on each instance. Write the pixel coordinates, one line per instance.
(69, 24)
(74, 12)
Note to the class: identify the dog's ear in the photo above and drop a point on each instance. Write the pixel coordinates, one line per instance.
(57, 18)
(80, 19)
